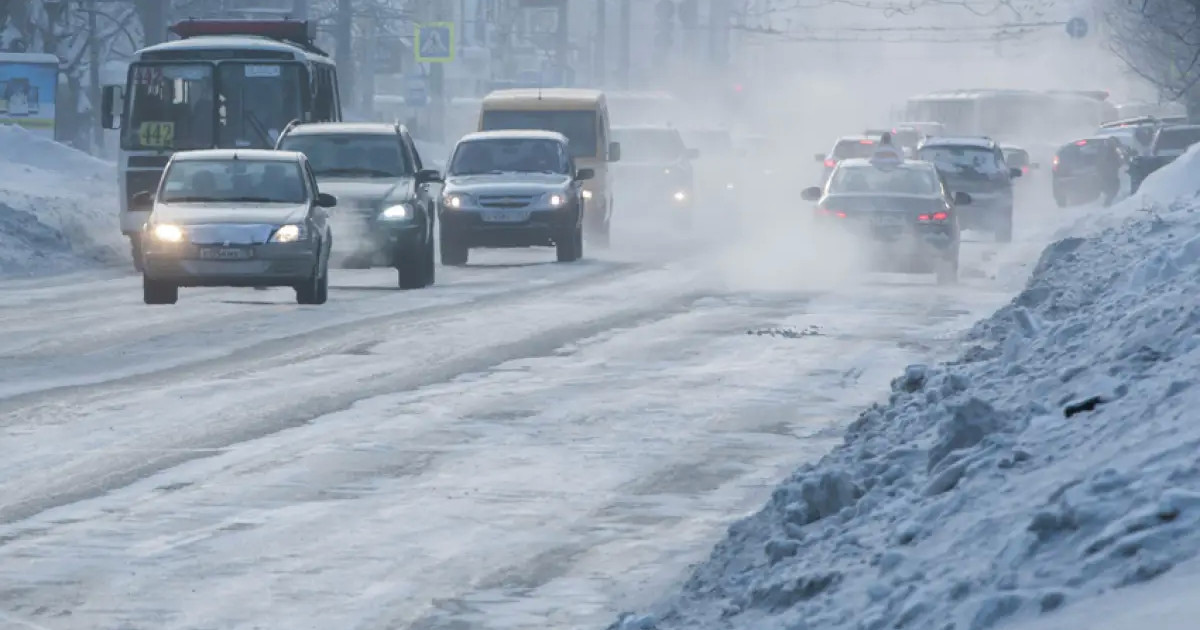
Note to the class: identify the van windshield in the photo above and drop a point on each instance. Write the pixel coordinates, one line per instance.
(578, 126)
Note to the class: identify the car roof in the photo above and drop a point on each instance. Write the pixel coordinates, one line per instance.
(364, 128)
(1178, 128)
(905, 164)
(855, 138)
(257, 155)
(515, 134)
(963, 141)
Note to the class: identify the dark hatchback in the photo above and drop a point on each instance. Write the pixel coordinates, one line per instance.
(976, 165)
(903, 212)
(386, 211)
(512, 189)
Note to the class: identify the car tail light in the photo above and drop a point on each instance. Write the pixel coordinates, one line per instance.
(866, 142)
(1024, 170)
(936, 216)
(830, 163)
(835, 213)
(1081, 143)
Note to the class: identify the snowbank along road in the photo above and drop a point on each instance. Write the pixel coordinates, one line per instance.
(523, 442)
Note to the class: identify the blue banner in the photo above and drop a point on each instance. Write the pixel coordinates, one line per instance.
(27, 95)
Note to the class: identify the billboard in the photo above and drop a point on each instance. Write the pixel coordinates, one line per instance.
(28, 87)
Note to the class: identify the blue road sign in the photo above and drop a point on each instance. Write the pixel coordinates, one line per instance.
(435, 42)
(1077, 28)
(416, 93)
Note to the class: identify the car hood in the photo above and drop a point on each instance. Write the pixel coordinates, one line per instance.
(394, 190)
(230, 214)
(508, 183)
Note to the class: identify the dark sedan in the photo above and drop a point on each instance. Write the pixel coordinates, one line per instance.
(386, 213)
(902, 212)
(240, 218)
(512, 189)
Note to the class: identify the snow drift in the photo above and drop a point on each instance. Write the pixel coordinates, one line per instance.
(58, 206)
(1056, 459)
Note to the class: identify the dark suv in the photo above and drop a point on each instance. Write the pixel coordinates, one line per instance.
(1077, 175)
(386, 211)
(656, 169)
(976, 166)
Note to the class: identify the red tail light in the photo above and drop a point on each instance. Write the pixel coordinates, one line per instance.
(830, 163)
(936, 216)
(866, 142)
(836, 213)
(1081, 143)
(1024, 170)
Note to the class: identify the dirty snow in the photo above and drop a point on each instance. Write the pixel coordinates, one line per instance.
(1054, 461)
(58, 207)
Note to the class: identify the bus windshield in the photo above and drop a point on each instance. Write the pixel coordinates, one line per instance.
(172, 106)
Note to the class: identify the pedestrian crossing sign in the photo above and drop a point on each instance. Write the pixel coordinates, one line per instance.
(434, 42)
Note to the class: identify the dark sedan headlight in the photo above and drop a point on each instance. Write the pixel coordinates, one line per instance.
(290, 233)
(398, 212)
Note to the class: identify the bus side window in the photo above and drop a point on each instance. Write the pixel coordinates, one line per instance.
(323, 103)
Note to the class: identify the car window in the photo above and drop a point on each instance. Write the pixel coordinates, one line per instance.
(509, 155)
(262, 181)
(377, 155)
(963, 160)
(868, 179)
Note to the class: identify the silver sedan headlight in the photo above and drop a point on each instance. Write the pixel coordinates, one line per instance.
(289, 234)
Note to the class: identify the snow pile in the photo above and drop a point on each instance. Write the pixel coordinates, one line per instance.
(1057, 458)
(58, 206)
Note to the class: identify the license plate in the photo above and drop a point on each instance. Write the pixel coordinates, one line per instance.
(506, 216)
(224, 253)
(887, 220)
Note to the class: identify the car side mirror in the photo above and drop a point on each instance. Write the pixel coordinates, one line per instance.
(326, 200)
(141, 200)
(1015, 173)
(693, 154)
(584, 174)
(111, 106)
(614, 152)
(813, 193)
(820, 157)
(962, 199)
(428, 176)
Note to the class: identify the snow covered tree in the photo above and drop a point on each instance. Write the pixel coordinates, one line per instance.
(1160, 41)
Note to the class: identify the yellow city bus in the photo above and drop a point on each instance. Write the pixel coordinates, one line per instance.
(580, 115)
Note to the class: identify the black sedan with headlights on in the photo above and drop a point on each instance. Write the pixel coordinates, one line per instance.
(387, 210)
(512, 189)
(655, 171)
(900, 210)
(237, 218)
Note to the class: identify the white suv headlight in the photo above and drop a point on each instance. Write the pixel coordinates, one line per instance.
(454, 201)
(289, 234)
(168, 233)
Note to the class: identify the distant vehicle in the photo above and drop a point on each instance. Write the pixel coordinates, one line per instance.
(715, 168)
(905, 137)
(227, 84)
(902, 209)
(1076, 172)
(236, 218)
(656, 172)
(1018, 114)
(387, 213)
(926, 129)
(580, 115)
(976, 165)
(1016, 157)
(512, 189)
(847, 147)
(1169, 143)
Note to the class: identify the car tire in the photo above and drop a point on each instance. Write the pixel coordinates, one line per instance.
(159, 292)
(314, 291)
(411, 271)
(454, 254)
(1004, 228)
(135, 251)
(570, 247)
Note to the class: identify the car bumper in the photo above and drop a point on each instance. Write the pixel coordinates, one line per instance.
(266, 265)
(899, 240)
(542, 228)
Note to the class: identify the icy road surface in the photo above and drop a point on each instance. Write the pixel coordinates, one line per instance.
(525, 445)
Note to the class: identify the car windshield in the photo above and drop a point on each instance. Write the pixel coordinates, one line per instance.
(578, 126)
(1082, 153)
(371, 156)
(962, 160)
(650, 145)
(509, 155)
(847, 149)
(1177, 139)
(868, 179)
(240, 180)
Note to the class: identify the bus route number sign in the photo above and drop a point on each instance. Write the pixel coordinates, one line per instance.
(156, 134)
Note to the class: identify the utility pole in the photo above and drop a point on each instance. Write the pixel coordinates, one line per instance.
(625, 54)
(564, 42)
(599, 65)
(94, 93)
(344, 53)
